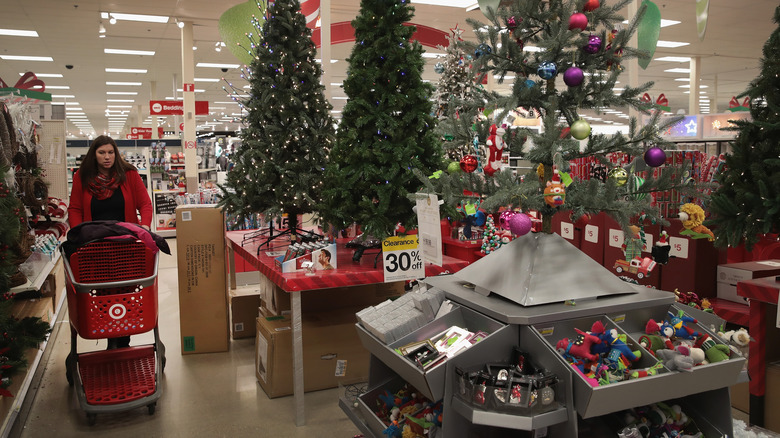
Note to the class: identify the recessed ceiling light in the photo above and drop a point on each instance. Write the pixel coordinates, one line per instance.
(17, 32)
(674, 59)
(678, 70)
(214, 65)
(119, 106)
(134, 17)
(57, 87)
(120, 100)
(682, 79)
(132, 84)
(75, 108)
(45, 75)
(63, 96)
(671, 44)
(206, 80)
(128, 93)
(125, 70)
(26, 58)
(129, 52)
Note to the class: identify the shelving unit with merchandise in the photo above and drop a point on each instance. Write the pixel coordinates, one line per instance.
(484, 300)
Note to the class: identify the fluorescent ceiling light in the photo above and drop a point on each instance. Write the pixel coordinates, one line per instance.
(678, 70)
(119, 106)
(45, 75)
(196, 90)
(135, 17)
(120, 100)
(674, 59)
(57, 87)
(469, 9)
(226, 102)
(682, 79)
(129, 93)
(671, 44)
(433, 55)
(17, 32)
(77, 114)
(26, 58)
(131, 84)
(215, 65)
(128, 52)
(125, 70)
(532, 49)
(63, 96)
(72, 103)
(689, 86)
(206, 80)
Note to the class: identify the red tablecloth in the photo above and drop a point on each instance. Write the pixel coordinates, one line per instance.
(347, 273)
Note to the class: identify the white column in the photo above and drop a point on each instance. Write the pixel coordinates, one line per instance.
(325, 47)
(693, 98)
(188, 77)
(153, 96)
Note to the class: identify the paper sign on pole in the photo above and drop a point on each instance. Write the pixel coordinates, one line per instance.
(429, 227)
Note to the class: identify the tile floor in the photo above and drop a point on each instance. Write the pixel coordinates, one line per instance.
(204, 395)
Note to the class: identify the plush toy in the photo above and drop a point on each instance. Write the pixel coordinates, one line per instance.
(681, 330)
(580, 347)
(692, 217)
(611, 341)
(651, 371)
(738, 340)
(715, 352)
(652, 328)
(555, 192)
(677, 359)
(495, 145)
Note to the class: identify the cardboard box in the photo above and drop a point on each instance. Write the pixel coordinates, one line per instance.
(332, 352)
(731, 274)
(203, 306)
(35, 307)
(277, 301)
(245, 306)
(740, 396)
(772, 400)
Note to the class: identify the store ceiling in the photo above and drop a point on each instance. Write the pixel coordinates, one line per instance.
(68, 33)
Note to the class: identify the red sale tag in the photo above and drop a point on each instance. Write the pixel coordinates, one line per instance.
(189, 87)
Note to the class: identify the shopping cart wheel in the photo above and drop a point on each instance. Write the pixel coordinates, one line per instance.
(151, 408)
(91, 419)
(70, 366)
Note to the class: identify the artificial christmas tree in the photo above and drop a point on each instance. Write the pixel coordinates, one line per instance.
(279, 165)
(386, 128)
(539, 87)
(747, 203)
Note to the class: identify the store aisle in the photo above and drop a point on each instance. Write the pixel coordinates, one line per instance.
(204, 395)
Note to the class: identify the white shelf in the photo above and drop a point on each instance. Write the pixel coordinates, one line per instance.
(37, 282)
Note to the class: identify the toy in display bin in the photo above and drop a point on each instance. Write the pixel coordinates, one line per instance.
(112, 292)
(509, 387)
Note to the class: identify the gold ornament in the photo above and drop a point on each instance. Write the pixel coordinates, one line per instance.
(619, 175)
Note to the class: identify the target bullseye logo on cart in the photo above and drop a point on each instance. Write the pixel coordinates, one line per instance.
(117, 311)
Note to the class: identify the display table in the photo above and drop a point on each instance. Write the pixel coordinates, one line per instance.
(347, 273)
(762, 292)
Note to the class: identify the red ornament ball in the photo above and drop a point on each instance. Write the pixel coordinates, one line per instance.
(578, 21)
(468, 163)
(520, 224)
(590, 5)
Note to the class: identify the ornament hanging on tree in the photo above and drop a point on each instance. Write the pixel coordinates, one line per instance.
(491, 241)
(573, 76)
(655, 156)
(547, 70)
(512, 22)
(520, 43)
(599, 172)
(578, 21)
(619, 175)
(637, 182)
(468, 163)
(438, 68)
(504, 218)
(555, 192)
(482, 49)
(453, 167)
(593, 45)
(520, 224)
(590, 5)
(580, 129)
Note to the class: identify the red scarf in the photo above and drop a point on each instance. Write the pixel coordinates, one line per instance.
(103, 186)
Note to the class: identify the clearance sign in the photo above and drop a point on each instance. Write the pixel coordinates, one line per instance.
(176, 107)
(402, 258)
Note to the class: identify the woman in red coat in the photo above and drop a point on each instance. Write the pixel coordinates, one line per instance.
(95, 196)
(106, 187)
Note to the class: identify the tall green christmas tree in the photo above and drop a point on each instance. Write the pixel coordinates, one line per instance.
(747, 203)
(386, 128)
(280, 164)
(583, 44)
(11, 214)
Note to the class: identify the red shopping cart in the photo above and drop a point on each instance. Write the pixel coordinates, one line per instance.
(112, 292)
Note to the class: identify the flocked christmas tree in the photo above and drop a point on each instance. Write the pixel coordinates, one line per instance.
(386, 128)
(457, 83)
(279, 166)
(747, 203)
(582, 43)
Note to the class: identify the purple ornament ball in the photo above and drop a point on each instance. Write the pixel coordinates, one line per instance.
(504, 218)
(573, 76)
(593, 45)
(655, 156)
(520, 224)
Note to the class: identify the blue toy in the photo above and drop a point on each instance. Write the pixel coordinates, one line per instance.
(678, 324)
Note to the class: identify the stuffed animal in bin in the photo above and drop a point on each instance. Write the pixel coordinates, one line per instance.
(611, 341)
(681, 330)
(715, 352)
(738, 340)
(579, 347)
(677, 359)
(664, 333)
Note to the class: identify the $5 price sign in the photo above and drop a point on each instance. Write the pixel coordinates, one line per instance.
(402, 258)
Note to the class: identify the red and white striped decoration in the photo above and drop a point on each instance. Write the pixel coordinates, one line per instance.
(311, 10)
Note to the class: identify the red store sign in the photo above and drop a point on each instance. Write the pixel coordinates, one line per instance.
(176, 107)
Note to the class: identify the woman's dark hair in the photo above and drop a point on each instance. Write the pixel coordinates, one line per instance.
(89, 165)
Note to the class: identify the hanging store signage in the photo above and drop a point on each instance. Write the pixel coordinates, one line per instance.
(176, 107)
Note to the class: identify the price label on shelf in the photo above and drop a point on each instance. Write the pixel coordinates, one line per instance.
(402, 258)
(679, 247)
(615, 238)
(567, 230)
(591, 233)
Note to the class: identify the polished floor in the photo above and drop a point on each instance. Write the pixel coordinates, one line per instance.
(204, 395)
